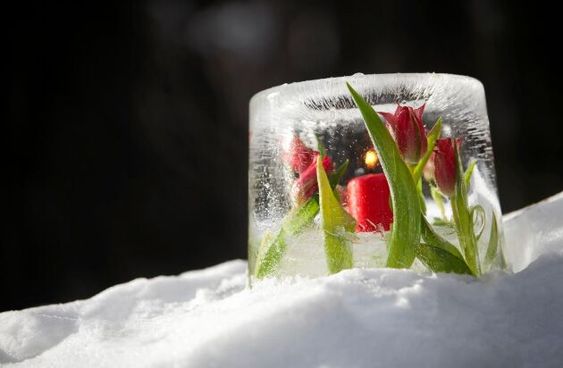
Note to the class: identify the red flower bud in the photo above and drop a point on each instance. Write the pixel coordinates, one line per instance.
(306, 185)
(445, 165)
(408, 129)
(299, 157)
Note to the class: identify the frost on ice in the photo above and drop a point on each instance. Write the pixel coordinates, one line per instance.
(357, 318)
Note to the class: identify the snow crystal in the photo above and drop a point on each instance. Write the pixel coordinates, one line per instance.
(357, 318)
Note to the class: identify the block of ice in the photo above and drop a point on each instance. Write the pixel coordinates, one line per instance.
(357, 318)
(533, 231)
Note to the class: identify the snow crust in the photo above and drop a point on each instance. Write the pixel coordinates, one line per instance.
(357, 318)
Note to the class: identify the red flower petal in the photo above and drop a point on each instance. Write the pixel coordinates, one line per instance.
(408, 130)
(390, 118)
(419, 112)
(445, 166)
(299, 157)
(306, 185)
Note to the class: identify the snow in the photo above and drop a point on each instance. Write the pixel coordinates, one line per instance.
(357, 318)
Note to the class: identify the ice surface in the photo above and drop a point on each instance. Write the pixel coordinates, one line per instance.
(534, 231)
(357, 318)
(305, 254)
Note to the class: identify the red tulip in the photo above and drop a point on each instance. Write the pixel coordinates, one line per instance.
(299, 157)
(407, 128)
(445, 165)
(306, 185)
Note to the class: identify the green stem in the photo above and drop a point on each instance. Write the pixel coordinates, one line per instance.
(433, 136)
(463, 219)
(439, 200)
(465, 233)
(421, 197)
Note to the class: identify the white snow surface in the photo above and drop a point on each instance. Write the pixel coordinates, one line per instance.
(357, 318)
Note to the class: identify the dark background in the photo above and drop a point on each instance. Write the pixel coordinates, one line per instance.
(128, 120)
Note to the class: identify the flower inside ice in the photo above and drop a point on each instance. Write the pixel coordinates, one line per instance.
(444, 164)
(298, 157)
(408, 129)
(306, 185)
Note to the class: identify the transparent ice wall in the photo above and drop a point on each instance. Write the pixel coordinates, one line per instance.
(323, 110)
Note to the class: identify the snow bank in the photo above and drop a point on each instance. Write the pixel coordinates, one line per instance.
(357, 318)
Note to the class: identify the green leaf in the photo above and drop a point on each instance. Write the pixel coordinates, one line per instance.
(433, 136)
(273, 247)
(493, 243)
(338, 174)
(336, 223)
(439, 260)
(301, 217)
(432, 238)
(478, 216)
(321, 147)
(469, 172)
(446, 228)
(463, 219)
(405, 231)
(421, 196)
(438, 221)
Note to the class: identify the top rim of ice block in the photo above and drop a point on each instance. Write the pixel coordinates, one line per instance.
(330, 95)
(361, 79)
